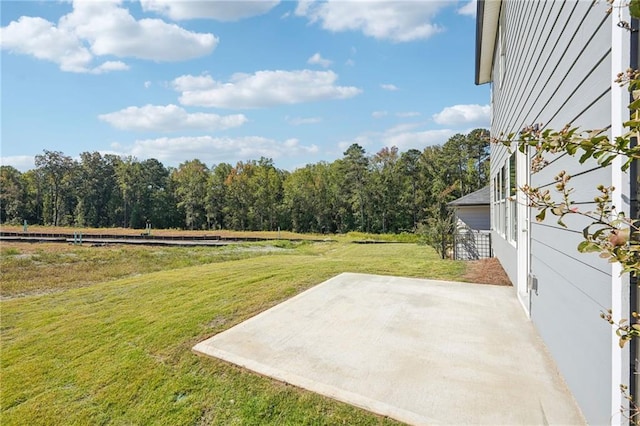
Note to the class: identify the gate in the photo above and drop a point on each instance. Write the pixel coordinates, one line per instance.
(469, 244)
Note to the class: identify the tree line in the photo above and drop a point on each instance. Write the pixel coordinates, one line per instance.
(386, 192)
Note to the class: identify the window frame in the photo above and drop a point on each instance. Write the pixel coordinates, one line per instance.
(504, 204)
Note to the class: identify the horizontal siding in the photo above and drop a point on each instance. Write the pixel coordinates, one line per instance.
(577, 344)
(584, 180)
(546, 236)
(558, 71)
(475, 217)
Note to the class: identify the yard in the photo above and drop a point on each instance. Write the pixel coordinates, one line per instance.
(104, 334)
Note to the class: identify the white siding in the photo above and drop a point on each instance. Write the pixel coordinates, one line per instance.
(558, 71)
(475, 217)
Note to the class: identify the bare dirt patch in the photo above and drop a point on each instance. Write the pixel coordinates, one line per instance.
(486, 271)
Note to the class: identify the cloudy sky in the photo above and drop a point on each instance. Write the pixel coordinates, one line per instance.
(224, 81)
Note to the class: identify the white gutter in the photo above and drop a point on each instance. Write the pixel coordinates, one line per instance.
(488, 16)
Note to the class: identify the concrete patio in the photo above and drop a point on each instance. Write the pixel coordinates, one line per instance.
(419, 351)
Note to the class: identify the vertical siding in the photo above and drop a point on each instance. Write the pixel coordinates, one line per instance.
(558, 71)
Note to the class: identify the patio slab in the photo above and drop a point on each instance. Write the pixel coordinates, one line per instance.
(419, 351)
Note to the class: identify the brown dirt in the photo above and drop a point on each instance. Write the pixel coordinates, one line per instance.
(486, 271)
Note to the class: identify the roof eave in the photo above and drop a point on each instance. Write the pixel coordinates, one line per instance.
(487, 16)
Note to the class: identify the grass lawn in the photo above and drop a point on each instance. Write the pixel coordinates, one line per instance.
(90, 347)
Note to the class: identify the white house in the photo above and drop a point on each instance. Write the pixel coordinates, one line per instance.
(551, 63)
(473, 210)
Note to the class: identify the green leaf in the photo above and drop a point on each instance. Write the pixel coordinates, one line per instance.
(607, 160)
(599, 232)
(588, 247)
(587, 154)
(582, 246)
(557, 211)
(540, 216)
(635, 104)
(634, 8)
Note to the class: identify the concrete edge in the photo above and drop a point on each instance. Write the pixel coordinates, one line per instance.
(204, 348)
(368, 404)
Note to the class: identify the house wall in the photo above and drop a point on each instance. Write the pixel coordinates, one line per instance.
(506, 254)
(475, 217)
(557, 70)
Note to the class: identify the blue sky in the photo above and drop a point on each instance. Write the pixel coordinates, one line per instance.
(225, 81)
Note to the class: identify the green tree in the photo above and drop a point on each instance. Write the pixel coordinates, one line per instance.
(158, 205)
(356, 173)
(241, 196)
(57, 171)
(411, 170)
(13, 195)
(267, 184)
(216, 201)
(299, 192)
(94, 188)
(191, 189)
(128, 176)
(385, 189)
(33, 186)
(478, 142)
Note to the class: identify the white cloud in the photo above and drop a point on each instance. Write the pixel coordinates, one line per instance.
(405, 140)
(112, 30)
(379, 114)
(186, 83)
(404, 136)
(170, 118)
(469, 9)
(389, 87)
(317, 59)
(458, 115)
(102, 28)
(402, 128)
(20, 162)
(407, 114)
(218, 10)
(43, 40)
(297, 121)
(398, 21)
(362, 140)
(147, 84)
(262, 89)
(110, 66)
(215, 150)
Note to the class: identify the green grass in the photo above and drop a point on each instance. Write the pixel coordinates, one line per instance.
(404, 237)
(119, 351)
(36, 268)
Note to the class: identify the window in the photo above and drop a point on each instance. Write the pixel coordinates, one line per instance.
(504, 210)
(498, 202)
(505, 207)
(513, 206)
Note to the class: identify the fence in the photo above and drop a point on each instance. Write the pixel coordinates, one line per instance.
(469, 244)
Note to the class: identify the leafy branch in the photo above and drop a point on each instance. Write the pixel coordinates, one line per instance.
(610, 232)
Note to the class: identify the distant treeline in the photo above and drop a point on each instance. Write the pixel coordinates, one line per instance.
(389, 191)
